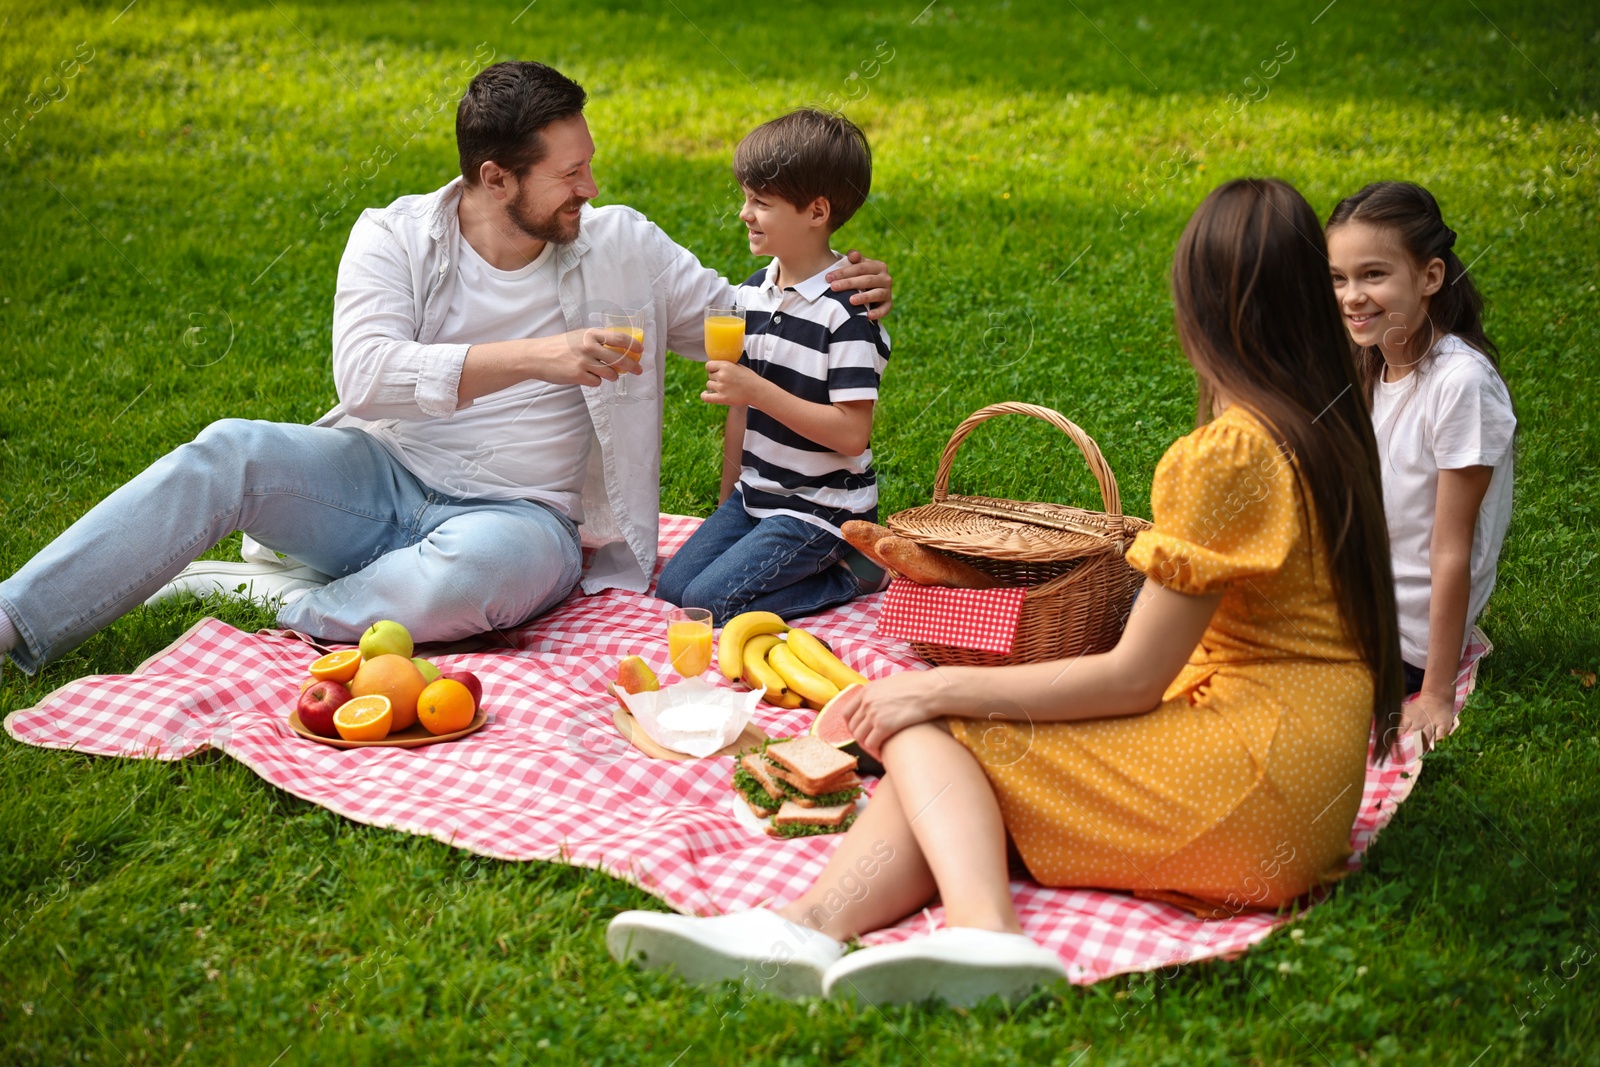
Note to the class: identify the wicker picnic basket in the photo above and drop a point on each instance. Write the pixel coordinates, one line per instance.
(1080, 589)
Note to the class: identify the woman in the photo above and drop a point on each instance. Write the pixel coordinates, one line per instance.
(1214, 758)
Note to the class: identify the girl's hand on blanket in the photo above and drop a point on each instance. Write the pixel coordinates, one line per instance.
(1429, 713)
(878, 710)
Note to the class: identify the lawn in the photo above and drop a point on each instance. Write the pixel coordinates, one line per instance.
(174, 212)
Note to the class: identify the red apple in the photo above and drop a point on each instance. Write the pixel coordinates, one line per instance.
(470, 680)
(317, 704)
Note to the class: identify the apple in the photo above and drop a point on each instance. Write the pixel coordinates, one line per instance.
(317, 704)
(470, 680)
(430, 673)
(386, 638)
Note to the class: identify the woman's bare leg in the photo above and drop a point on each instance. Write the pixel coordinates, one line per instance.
(876, 876)
(952, 810)
(933, 825)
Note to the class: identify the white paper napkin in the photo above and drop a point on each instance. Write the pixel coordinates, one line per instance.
(692, 717)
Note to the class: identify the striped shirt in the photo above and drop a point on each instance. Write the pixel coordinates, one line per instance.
(813, 343)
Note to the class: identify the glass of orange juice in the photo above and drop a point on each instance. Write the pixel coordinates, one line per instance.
(724, 333)
(689, 641)
(631, 322)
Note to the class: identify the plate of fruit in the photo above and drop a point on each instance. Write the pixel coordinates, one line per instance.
(379, 695)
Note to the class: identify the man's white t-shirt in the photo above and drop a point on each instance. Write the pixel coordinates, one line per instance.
(1454, 411)
(529, 441)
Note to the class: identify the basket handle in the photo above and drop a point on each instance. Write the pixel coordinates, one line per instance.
(1091, 451)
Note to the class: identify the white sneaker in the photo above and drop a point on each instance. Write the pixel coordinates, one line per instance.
(759, 947)
(264, 583)
(959, 965)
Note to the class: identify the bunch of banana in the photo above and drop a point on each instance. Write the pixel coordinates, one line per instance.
(793, 668)
(737, 632)
(759, 672)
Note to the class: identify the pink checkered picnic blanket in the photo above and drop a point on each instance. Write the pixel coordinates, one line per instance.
(549, 779)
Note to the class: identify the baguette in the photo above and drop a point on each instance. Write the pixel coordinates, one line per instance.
(930, 567)
(864, 537)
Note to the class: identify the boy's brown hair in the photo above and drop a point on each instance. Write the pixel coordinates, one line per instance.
(806, 154)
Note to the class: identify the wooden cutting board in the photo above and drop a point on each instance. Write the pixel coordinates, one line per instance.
(635, 735)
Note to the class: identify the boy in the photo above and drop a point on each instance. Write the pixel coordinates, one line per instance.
(801, 396)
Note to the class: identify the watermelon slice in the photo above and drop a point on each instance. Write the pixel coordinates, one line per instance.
(830, 726)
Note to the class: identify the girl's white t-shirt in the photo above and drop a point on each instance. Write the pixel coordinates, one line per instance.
(1454, 411)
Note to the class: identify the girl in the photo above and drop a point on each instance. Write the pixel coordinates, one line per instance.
(1214, 758)
(1444, 424)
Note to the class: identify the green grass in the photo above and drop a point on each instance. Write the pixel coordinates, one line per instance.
(1035, 164)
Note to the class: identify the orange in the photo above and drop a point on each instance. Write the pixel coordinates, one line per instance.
(337, 666)
(445, 706)
(395, 677)
(364, 718)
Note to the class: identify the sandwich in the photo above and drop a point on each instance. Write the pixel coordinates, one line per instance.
(754, 782)
(802, 786)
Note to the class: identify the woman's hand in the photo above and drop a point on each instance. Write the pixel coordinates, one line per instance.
(878, 710)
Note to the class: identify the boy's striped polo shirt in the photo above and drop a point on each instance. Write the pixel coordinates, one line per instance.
(811, 342)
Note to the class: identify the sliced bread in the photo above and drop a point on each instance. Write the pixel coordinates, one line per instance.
(792, 814)
(811, 761)
(761, 771)
(848, 780)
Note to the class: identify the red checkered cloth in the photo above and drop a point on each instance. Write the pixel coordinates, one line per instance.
(548, 779)
(984, 619)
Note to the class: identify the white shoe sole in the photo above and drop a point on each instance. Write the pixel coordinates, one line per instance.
(910, 977)
(263, 582)
(658, 943)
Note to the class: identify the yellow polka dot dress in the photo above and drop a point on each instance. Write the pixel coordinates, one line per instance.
(1239, 790)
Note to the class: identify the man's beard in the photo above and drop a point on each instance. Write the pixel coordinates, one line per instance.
(553, 227)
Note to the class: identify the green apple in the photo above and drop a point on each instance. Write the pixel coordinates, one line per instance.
(429, 671)
(386, 638)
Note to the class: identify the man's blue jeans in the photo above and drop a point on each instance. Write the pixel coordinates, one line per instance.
(333, 499)
(736, 563)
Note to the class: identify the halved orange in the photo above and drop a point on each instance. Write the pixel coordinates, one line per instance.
(365, 718)
(337, 666)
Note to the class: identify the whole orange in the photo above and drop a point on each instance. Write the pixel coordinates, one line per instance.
(395, 677)
(445, 706)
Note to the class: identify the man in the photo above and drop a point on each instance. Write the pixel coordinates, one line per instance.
(477, 429)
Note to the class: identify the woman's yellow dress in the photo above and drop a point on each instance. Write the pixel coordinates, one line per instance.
(1240, 789)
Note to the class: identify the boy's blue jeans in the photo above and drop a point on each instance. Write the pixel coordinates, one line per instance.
(736, 563)
(334, 499)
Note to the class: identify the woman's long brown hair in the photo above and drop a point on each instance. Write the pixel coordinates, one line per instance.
(1259, 323)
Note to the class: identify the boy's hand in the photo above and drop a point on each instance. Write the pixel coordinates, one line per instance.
(871, 276)
(731, 383)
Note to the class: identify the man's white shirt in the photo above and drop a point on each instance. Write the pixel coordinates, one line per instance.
(529, 441)
(399, 280)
